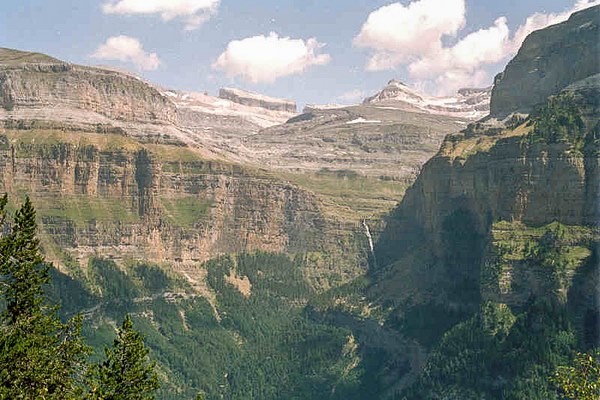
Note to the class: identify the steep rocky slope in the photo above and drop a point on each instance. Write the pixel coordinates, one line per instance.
(208, 111)
(500, 223)
(547, 62)
(486, 274)
(362, 142)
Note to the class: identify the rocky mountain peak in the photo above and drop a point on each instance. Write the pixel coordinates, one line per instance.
(469, 103)
(395, 90)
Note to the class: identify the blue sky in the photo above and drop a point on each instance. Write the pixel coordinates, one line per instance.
(311, 51)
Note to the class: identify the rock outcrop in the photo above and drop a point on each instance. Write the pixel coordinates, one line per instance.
(257, 100)
(121, 168)
(53, 85)
(548, 61)
(365, 140)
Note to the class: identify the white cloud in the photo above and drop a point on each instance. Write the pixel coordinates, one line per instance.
(267, 58)
(541, 20)
(352, 96)
(412, 36)
(400, 34)
(127, 49)
(193, 12)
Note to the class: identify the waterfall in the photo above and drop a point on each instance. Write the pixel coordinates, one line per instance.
(369, 238)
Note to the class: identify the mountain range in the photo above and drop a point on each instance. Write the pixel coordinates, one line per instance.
(406, 247)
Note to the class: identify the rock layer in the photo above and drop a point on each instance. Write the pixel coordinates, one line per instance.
(257, 100)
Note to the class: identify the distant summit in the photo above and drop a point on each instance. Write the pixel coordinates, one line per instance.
(13, 57)
(470, 103)
(252, 99)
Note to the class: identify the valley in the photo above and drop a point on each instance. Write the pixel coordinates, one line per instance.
(392, 249)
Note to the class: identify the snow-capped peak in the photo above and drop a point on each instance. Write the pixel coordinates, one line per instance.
(470, 103)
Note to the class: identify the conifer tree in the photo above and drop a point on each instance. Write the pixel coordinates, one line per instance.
(127, 373)
(40, 357)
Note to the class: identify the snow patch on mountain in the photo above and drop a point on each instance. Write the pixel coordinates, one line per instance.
(470, 103)
(252, 112)
(361, 120)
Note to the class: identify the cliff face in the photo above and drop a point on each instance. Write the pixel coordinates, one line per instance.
(501, 175)
(78, 89)
(109, 195)
(549, 60)
(256, 100)
(504, 218)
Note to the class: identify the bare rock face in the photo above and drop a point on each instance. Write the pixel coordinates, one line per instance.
(395, 90)
(56, 85)
(498, 186)
(97, 193)
(257, 100)
(366, 139)
(549, 60)
(118, 167)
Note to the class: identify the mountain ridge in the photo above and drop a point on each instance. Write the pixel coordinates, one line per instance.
(468, 103)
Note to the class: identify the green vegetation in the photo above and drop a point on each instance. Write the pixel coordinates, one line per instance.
(349, 195)
(83, 210)
(511, 352)
(43, 357)
(185, 211)
(558, 121)
(499, 355)
(581, 379)
(127, 373)
(260, 344)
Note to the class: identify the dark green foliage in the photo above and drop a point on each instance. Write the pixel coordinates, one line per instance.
(70, 293)
(152, 278)
(504, 353)
(498, 355)
(113, 283)
(40, 357)
(427, 322)
(265, 346)
(283, 355)
(559, 120)
(127, 373)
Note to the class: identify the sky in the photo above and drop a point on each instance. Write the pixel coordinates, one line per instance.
(310, 51)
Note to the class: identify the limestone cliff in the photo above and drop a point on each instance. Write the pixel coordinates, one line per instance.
(505, 215)
(256, 100)
(52, 85)
(501, 175)
(549, 60)
(110, 195)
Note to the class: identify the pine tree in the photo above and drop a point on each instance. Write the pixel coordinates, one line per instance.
(40, 357)
(127, 373)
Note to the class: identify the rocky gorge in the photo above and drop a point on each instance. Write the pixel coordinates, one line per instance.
(394, 249)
